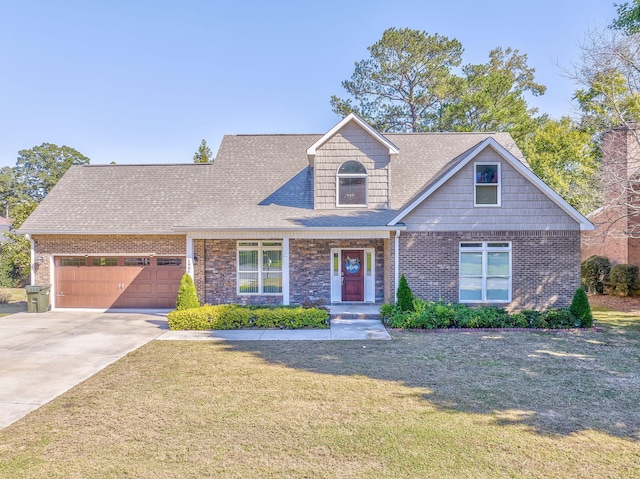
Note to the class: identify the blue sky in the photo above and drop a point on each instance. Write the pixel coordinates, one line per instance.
(144, 81)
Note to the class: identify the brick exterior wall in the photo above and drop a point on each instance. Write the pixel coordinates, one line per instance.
(545, 265)
(310, 266)
(108, 245)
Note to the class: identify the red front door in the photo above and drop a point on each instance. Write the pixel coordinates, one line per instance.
(352, 275)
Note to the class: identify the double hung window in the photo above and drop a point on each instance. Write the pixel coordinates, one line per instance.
(487, 184)
(485, 272)
(259, 267)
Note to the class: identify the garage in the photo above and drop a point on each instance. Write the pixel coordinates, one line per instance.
(117, 281)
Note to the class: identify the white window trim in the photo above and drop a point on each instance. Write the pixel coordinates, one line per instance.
(260, 248)
(352, 175)
(485, 248)
(498, 184)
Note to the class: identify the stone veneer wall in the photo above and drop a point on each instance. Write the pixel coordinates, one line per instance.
(199, 268)
(310, 266)
(219, 264)
(545, 265)
(49, 245)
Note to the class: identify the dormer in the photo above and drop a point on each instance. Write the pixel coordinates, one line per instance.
(351, 167)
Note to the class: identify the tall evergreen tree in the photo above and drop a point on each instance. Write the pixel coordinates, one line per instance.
(203, 155)
(405, 83)
(408, 84)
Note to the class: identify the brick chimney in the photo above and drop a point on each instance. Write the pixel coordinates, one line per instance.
(620, 162)
(617, 235)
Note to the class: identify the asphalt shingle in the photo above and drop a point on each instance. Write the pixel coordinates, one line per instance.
(256, 181)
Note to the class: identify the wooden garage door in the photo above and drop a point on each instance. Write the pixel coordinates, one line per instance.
(117, 282)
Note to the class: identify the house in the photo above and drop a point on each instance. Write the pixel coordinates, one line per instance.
(617, 222)
(281, 219)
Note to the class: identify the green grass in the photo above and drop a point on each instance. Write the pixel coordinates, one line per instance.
(427, 404)
(17, 301)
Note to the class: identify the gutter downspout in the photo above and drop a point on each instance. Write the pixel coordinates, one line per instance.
(396, 264)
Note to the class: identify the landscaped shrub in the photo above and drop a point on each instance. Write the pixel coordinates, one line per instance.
(595, 273)
(405, 295)
(187, 295)
(624, 278)
(195, 318)
(386, 310)
(430, 315)
(233, 316)
(581, 309)
(433, 315)
(518, 320)
(558, 318)
(531, 316)
(290, 318)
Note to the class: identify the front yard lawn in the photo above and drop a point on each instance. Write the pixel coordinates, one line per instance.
(497, 404)
(17, 302)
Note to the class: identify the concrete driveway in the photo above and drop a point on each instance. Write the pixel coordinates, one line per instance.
(44, 355)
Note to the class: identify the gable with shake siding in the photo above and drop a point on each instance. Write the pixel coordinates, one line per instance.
(523, 205)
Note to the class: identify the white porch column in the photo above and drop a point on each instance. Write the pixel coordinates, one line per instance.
(32, 271)
(396, 261)
(285, 272)
(190, 269)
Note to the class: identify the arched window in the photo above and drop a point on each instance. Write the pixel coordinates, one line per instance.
(352, 184)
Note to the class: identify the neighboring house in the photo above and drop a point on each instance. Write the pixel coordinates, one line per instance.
(5, 224)
(617, 232)
(280, 219)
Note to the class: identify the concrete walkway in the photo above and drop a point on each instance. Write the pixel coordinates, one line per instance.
(44, 355)
(341, 329)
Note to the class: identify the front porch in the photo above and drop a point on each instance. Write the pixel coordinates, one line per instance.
(290, 270)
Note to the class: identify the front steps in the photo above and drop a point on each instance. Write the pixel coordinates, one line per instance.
(354, 311)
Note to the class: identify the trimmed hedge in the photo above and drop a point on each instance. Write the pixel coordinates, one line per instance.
(441, 315)
(233, 316)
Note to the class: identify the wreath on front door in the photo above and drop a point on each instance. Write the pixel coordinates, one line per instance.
(352, 265)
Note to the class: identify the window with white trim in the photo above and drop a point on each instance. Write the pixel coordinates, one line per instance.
(259, 267)
(485, 272)
(351, 184)
(487, 177)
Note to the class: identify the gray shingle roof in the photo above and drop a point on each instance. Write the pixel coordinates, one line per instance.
(122, 199)
(257, 181)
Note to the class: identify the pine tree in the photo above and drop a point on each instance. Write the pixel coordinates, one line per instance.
(405, 295)
(203, 155)
(580, 308)
(187, 295)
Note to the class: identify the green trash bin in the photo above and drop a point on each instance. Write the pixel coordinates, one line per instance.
(38, 298)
